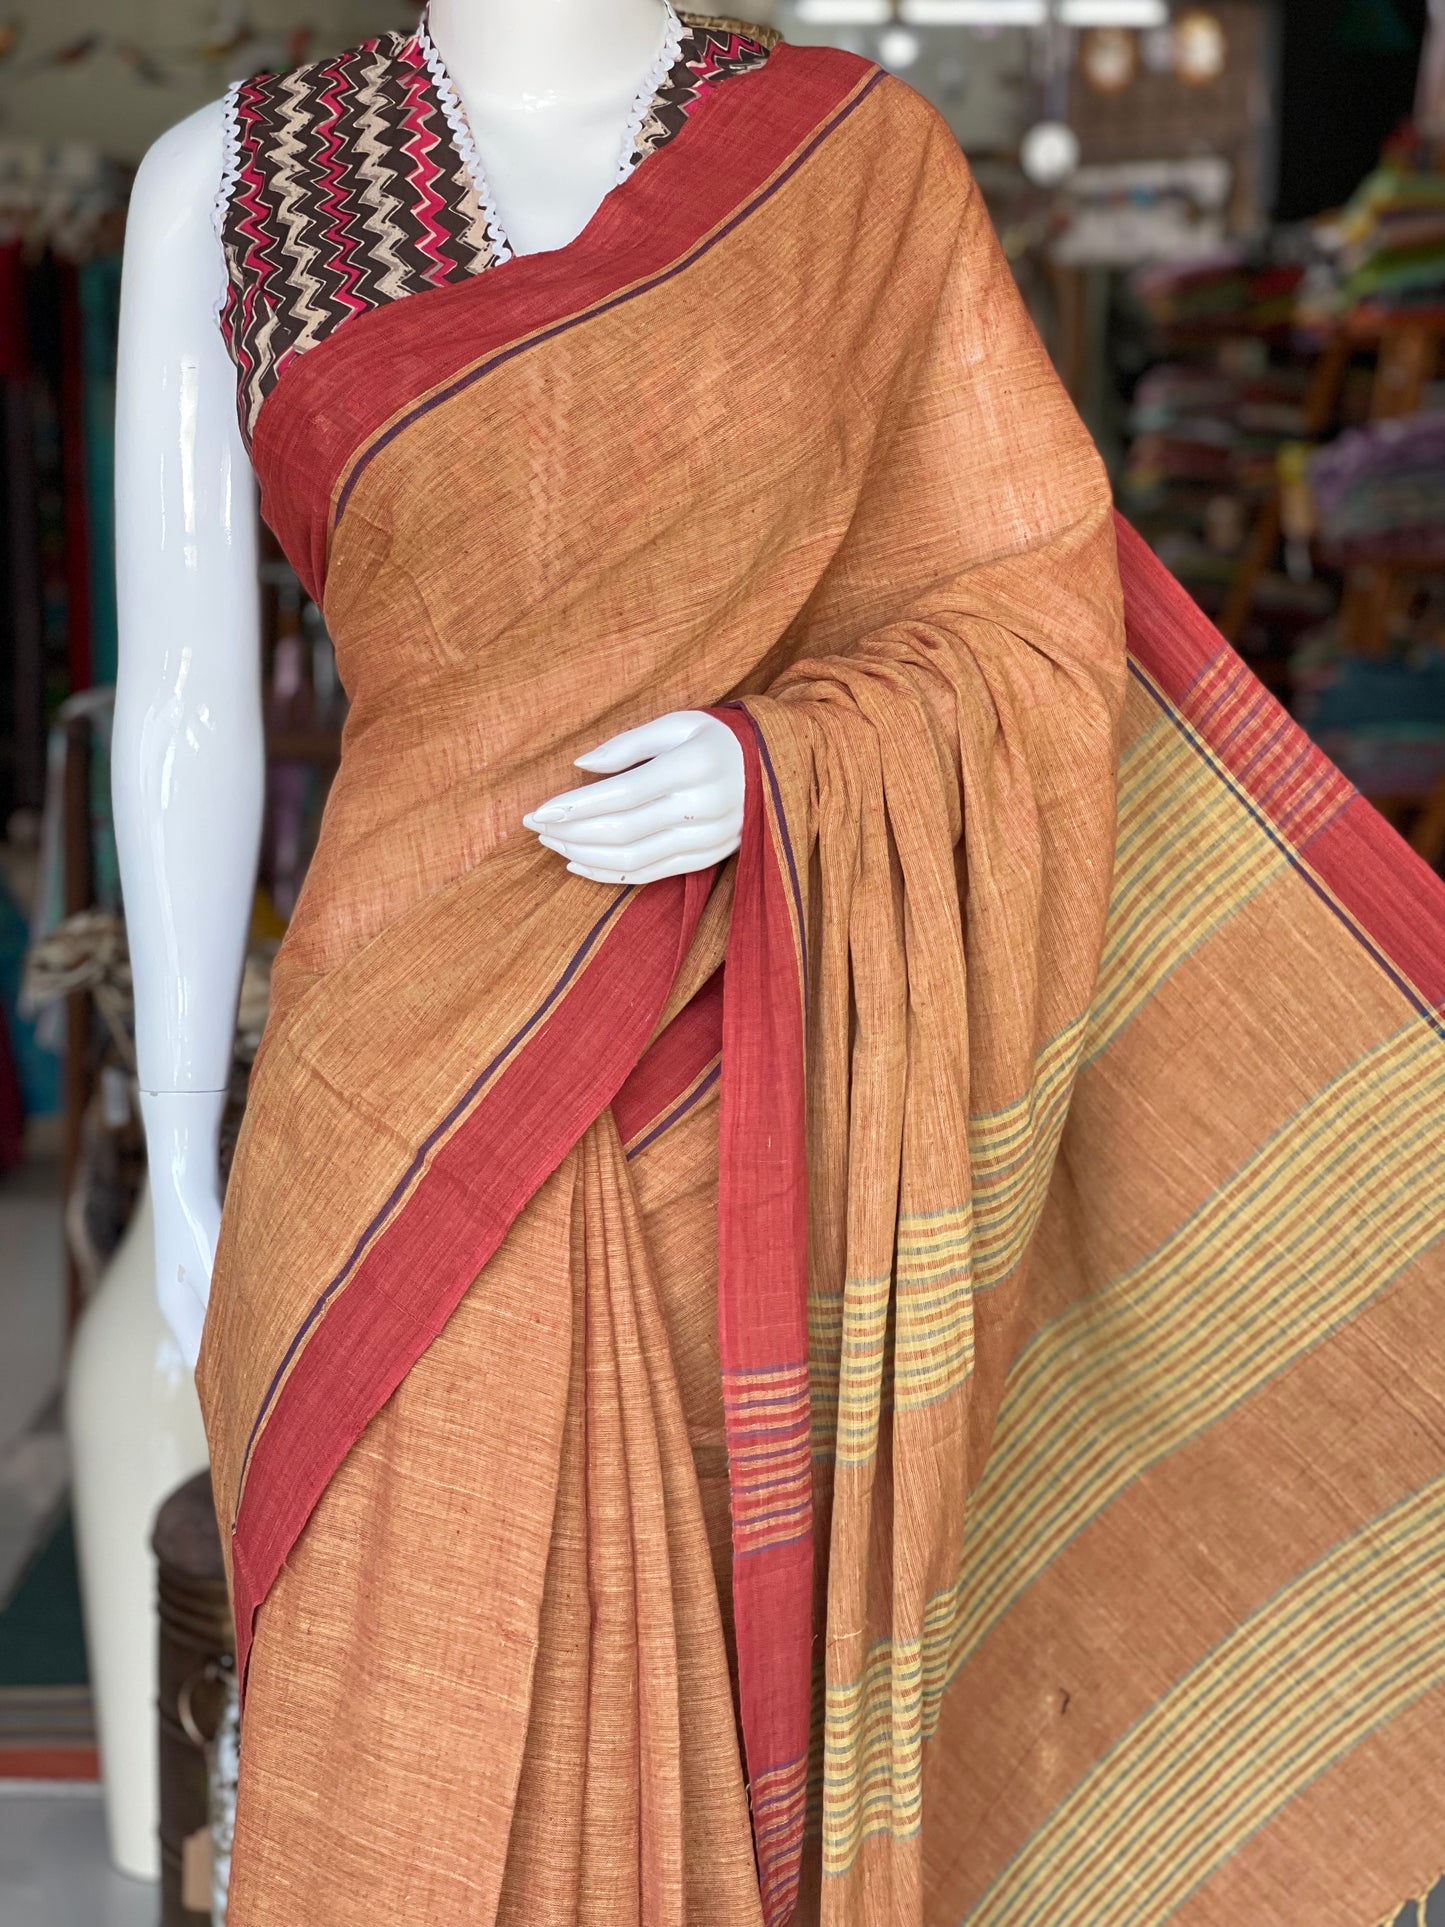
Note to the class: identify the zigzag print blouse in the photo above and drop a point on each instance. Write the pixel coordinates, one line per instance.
(355, 181)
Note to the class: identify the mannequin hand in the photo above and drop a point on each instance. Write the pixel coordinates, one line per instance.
(678, 807)
(182, 1132)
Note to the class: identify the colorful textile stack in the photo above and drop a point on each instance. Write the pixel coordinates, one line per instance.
(1195, 424)
(1379, 491)
(1227, 293)
(1381, 719)
(1204, 444)
(1390, 262)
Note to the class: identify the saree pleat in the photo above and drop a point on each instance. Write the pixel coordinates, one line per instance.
(346, 1827)
(899, 1384)
(618, 1765)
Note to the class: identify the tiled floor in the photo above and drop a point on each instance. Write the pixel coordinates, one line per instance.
(53, 1870)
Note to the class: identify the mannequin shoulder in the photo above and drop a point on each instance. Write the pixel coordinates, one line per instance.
(179, 180)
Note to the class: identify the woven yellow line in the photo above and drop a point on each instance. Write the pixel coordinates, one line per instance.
(1162, 910)
(1265, 1271)
(873, 1755)
(1119, 1367)
(1339, 1203)
(943, 1257)
(1012, 1152)
(933, 1313)
(825, 1345)
(1012, 1163)
(991, 1134)
(1332, 1658)
(861, 1402)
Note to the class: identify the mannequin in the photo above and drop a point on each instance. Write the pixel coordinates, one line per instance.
(547, 85)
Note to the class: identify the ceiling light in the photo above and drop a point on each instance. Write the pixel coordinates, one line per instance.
(1049, 153)
(1114, 13)
(898, 48)
(845, 13)
(974, 13)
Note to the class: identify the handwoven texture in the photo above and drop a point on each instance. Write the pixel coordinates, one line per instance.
(942, 1421)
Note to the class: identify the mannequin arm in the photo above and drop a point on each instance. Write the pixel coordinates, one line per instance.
(188, 751)
(678, 807)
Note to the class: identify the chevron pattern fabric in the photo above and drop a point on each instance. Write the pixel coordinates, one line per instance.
(348, 188)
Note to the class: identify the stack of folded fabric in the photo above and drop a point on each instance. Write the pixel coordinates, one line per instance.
(1388, 247)
(1232, 291)
(1203, 446)
(1380, 718)
(1379, 492)
(1205, 425)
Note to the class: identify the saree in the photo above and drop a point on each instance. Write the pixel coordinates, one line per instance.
(899, 1382)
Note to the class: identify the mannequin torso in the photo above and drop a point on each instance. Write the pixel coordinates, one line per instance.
(547, 88)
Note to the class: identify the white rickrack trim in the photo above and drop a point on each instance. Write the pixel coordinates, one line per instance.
(647, 92)
(456, 119)
(230, 174)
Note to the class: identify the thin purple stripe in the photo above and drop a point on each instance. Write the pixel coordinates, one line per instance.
(768, 1402)
(788, 853)
(677, 1115)
(771, 1544)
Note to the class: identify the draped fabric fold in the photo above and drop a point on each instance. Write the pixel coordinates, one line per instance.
(897, 1383)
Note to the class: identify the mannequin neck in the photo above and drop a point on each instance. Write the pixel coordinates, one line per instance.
(541, 53)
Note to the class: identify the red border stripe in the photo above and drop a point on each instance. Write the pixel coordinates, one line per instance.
(1386, 895)
(763, 1328)
(673, 1065)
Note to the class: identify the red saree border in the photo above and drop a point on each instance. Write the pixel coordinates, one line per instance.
(678, 1071)
(763, 1323)
(684, 1063)
(339, 404)
(585, 1047)
(1389, 898)
(358, 1344)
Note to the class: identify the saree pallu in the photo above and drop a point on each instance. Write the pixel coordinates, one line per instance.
(899, 1382)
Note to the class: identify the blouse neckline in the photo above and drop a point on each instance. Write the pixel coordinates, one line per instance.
(455, 114)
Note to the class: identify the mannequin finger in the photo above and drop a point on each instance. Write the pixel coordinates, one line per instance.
(678, 840)
(631, 826)
(634, 746)
(708, 757)
(674, 867)
(642, 785)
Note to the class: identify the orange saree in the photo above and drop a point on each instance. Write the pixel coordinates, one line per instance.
(899, 1383)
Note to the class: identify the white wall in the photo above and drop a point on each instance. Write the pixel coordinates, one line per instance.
(101, 102)
(979, 82)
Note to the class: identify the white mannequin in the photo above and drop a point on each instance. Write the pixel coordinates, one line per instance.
(548, 86)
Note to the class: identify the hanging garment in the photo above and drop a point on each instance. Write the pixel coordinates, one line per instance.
(897, 1383)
